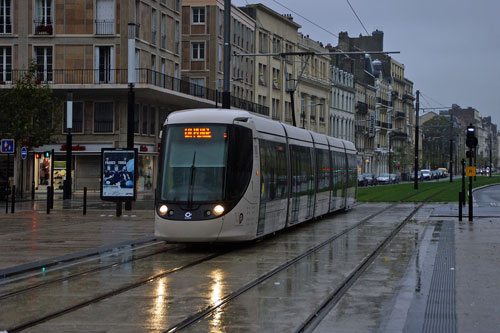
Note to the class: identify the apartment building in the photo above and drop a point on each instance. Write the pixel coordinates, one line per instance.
(80, 47)
(203, 50)
(314, 86)
(275, 33)
(342, 101)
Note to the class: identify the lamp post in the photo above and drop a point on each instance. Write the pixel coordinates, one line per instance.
(417, 106)
(69, 145)
(131, 94)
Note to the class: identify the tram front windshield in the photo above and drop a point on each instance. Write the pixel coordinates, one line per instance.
(194, 169)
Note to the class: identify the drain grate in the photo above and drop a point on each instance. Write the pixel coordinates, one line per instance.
(440, 310)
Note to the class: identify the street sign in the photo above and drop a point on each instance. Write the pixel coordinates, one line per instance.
(470, 171)
(7, 146)
(24, 153)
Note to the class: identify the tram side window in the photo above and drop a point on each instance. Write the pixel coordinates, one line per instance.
(352, 170)
(273, 179)
(302, 170)
(323, 170)
(240, 161)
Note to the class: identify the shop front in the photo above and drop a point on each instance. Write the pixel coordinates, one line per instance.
(49, 166)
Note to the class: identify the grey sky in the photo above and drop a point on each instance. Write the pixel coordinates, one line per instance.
(449, 47)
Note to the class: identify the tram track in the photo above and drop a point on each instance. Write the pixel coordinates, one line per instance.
(193, 318)
(78, 274)
(333, 298)
(115, 292)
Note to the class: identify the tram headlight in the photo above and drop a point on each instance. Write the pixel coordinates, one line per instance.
(163, 210)
(218, 210)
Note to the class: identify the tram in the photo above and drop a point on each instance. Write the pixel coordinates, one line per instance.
(229, 176)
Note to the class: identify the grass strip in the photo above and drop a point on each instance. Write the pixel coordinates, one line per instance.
(403, 192)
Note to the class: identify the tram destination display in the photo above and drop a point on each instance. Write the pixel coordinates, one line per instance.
(118, 174)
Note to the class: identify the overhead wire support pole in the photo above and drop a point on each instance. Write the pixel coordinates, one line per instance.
(226, 92)
(417, 106)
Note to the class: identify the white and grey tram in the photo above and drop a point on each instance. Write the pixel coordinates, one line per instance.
(228, 175)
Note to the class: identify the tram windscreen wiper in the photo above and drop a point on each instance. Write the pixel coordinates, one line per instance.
(191, 182)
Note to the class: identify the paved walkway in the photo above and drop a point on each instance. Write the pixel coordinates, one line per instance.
(31, 238)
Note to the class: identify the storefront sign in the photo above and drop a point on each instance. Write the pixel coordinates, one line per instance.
(73, 148)
(118, 174)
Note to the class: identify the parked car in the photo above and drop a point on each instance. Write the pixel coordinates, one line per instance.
(383, 178)
(370, 178)
(4, 187)
(425, 174)
(362, 181)
(445, 171)
(394, 178)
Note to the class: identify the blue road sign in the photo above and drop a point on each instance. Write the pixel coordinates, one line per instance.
(24, 153)
(7, 146)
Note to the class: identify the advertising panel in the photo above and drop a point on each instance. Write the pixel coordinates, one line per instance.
(118, 174)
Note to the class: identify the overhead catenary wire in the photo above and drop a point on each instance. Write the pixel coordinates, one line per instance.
(358, 17)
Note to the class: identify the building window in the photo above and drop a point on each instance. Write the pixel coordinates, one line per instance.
(197, 87)
(77, 124)
(220, 57)
(105, 17)
(145, 117)
(43, 56)
(152, 121)
(5, 21)
(198, 50)
(153, 26)
(163, 31)
(198, 15)
(103, 117)
(43, 17)
(221, 21)
(5, 64)
(104, 64)
(177, 38)
(262, 74)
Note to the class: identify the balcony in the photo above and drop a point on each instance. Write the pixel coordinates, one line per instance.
(400, 115)
(118, 79)
(43, 27)
(362, 107)
(384, 102)
(104, 27)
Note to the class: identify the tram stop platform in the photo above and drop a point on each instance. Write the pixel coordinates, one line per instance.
(30, 238)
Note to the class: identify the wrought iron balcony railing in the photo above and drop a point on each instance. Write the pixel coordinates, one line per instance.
(43, 27)
(143, 76)
(104, 27)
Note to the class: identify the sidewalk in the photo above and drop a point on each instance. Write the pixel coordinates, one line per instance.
(32, 238)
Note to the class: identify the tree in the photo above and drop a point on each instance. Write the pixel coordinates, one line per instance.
(29, 113)
(436, 143)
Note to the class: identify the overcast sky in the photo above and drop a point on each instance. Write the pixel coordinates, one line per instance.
(450, 48)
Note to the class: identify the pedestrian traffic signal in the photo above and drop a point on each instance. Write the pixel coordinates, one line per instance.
(46, 154)
(37, 155)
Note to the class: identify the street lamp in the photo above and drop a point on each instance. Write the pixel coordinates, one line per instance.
(131, 95)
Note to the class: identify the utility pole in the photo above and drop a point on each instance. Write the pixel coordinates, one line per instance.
(451, 147)
(226, 93)
(491, 164)
(417, 106)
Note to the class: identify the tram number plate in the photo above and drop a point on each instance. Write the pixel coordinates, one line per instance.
(470, 171)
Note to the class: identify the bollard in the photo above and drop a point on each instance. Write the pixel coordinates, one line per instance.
(51, 197)
(118, 209)
(7, 203)
(460, 206)
(48, 199)
(85, 201)
(32, 191)
(13, 205)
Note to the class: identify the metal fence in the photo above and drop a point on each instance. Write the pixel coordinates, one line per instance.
(143, 76)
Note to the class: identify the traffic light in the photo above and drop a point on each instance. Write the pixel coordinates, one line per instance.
(37, 155)
(46, 154)
(471, 140)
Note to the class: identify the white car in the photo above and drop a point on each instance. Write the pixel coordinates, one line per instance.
(426, 174)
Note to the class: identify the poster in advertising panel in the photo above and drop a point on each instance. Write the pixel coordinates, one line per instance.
(118, 174)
